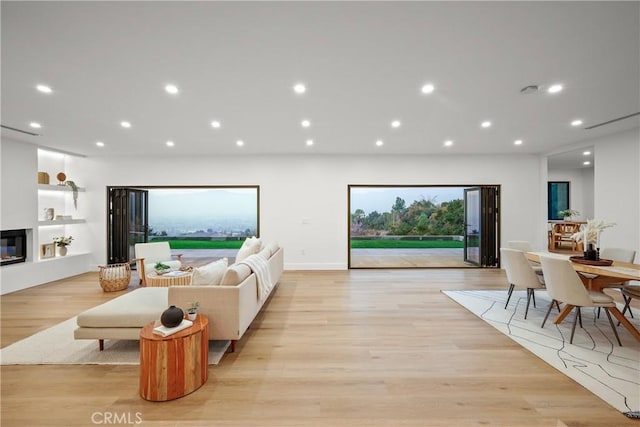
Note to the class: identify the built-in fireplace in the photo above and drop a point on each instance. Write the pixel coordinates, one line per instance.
(13, 246)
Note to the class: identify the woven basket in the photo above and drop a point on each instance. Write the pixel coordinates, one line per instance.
(114, 277)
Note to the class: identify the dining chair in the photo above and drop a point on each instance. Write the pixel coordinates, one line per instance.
(630, 291)
(524, 246)
(564, 285)
(561, 233)
(615, 254)
(520, 275)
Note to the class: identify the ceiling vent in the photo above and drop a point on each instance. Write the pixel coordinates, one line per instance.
(613, 120)
(19, 130)
(529, 89)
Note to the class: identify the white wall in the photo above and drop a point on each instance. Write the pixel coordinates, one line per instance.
(580, 189)
(617, 189)
(293, 187)
(19, 181)
(315, 187)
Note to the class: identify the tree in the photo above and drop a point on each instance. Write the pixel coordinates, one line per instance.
(358, 215)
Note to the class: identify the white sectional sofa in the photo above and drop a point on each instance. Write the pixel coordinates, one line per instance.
(230, 306)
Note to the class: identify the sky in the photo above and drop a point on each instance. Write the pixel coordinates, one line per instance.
(381, 199)
(203, 202)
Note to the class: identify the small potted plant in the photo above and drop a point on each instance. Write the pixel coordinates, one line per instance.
(568, 213)
(161, 268)
(62, 242)
(192, 310)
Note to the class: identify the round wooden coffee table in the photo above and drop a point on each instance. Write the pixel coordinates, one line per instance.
(163, 280)
(174, 366)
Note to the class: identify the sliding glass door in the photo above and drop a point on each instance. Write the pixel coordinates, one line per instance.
(481, 226)
(472, 230)
(418, 226)
(128, 222)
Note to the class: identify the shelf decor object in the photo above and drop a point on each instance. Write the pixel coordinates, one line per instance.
(43, 178)
(48, 250)
(61, 178)
(61, 243)
(74, 188)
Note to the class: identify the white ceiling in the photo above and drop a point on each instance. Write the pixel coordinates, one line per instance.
(363, 63)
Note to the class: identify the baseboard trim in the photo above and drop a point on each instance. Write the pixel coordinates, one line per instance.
(315, 266)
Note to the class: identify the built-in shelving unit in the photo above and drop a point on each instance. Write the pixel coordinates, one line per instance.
(57, 214)
(44, 223)
(31, 201)
(49, 187)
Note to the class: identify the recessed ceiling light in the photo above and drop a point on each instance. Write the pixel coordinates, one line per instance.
(100, 144)
(309, 142)
(215, 124)
(395, 124)
(555, 88)
(299, 88)
(448, 143)
(125, 124)
(517, 142)
(586, 153)
(486, 124)
(305, 123)
(239, 143)
(587, 163)
(35, 125)
(379, 143)
(172, 89)
(576, 122)
(427, 88)
(170, 144)
(44, 88)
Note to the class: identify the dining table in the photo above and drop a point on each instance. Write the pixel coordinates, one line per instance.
(597, 278)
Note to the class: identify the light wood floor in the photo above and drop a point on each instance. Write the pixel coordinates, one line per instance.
(342, 348)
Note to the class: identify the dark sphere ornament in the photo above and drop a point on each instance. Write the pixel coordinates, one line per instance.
(172, 317)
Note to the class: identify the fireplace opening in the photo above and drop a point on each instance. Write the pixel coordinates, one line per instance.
(13, 246)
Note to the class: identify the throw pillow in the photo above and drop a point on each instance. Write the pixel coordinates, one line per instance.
(235, 274)
(251, 245)
(210, 274)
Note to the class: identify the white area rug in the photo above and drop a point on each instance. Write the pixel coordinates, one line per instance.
(56, 346)
(594, 360)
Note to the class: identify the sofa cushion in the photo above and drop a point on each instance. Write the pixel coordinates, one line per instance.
(265, 253)
(250, 246)
(210, 274)
(273, 247)
(235, 274)
(133, 309)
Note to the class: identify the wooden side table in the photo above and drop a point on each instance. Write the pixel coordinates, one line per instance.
(160, 280)
(174, 366)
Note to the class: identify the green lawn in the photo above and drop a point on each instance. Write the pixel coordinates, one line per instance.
(355, 244)
(405, 244)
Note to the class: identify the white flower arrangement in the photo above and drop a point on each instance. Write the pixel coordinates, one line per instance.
(592, 231)
(62, 241)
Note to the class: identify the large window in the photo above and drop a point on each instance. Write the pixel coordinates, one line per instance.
(203, 213)
(197, 217)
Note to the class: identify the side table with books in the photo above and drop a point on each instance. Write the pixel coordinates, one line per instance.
(174, 365)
